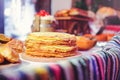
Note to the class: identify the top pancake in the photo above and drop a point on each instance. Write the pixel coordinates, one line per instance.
(51, 38)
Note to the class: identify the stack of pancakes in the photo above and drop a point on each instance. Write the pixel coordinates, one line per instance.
(50, 44)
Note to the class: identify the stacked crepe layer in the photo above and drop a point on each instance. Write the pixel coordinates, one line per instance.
(50, 44)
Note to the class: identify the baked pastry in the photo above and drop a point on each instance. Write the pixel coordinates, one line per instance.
(9, 54)
(4, 39)
(85, 43)
(10, 51)
(71, 12)
(10, 48)
(62, 13)
(50, 38)
(78, 12)
(105, 12)
(16, 45)
(50, 44)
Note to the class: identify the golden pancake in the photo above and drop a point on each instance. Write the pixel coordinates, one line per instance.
(50, 44)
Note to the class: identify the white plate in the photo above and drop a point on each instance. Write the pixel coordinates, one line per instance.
(30, 59)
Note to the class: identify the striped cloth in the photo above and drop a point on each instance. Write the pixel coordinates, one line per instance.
(101, 65)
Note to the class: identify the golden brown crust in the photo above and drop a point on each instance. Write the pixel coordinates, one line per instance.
(51, 50)
(51, 38)
(9, 49)
(57, 55)
(4, 39)
(74, 11)
(17, 45)
(71, 12)
(50, 44)
(63, 12)
(9, 54)
(78, 12)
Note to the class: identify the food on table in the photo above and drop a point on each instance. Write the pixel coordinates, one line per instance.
(43, 13)
(10, 49)
(101, 37)
(77, 11)
(71, 12)
(16, 45)
(1, 58)
(85, 43)
(64, 12)
(89, 36)
(74, 11)
(105, 12)
(9, 54)
(50, 44)
(4, 39)
(43, 22)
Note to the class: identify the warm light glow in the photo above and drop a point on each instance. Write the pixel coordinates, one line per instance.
(20, 17)
(7, 12)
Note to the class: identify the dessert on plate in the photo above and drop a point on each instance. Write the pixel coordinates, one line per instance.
(50, 44)
(43, 22)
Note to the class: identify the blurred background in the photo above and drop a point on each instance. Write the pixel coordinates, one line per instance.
(16, 16)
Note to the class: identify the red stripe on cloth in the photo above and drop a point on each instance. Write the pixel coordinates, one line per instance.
(108, 68)
(68, 70)
(103, 57)
(100, 62)
(116, 66)
(57, 71)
